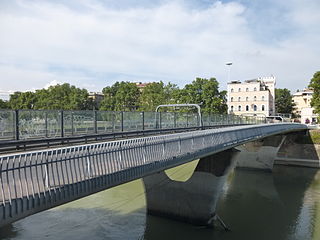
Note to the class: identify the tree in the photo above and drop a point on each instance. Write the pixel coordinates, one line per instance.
(4, 104)
(315, 84)
(283, 100)
(123, 96)
(152, 95)
(205, 92)
(58, 97)
(22, 100)
(171, 93)
(64, 97)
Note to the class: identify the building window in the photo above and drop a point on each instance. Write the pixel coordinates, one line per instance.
(239, 90)
(231, 89)
(262, 98)
(231, 108)
(231, 99)
(247, 108)
(239, 99)
(247, 99)
(255, 89)
(255, 108)
(262, 107)
(247, 89)
(239, 108)
(255, 98)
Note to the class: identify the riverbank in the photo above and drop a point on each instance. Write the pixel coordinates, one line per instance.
(300, 150)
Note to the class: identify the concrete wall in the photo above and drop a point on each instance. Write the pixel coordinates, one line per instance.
(259, 154)
(293, 152)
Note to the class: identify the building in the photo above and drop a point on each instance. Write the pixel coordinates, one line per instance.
(302, 106)
(252, 97)
(142, 85)
(97, 97)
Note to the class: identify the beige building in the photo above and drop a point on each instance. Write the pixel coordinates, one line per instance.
(302, 108)
(97, 97)
(252, 97)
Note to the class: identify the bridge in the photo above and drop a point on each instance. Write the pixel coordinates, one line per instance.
(34, 181)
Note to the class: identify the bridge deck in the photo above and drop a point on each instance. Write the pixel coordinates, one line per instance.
(38, 180)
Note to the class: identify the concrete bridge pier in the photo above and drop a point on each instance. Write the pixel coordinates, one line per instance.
(193, 201)
(259, 154)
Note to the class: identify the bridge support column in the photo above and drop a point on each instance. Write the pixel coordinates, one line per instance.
(260, 154)
(195, 200)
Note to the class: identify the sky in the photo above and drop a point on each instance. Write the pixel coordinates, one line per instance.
(94, 43)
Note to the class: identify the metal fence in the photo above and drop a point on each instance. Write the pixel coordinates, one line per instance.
(42, 179)
(32, 124)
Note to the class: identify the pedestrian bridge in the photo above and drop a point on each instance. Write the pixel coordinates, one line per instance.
(31, 182)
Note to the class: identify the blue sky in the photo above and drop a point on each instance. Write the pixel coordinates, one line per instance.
(92, 43)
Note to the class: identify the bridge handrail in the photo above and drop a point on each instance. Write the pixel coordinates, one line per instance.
(40, 173)
(37, 124)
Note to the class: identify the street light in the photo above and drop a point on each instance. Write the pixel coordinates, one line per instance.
(229, 64)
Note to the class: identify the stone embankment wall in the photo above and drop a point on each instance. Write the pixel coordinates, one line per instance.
(300, 150)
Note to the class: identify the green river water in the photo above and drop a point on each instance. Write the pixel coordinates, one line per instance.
(284, 205)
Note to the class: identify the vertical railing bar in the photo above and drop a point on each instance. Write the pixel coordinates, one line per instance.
(62, 123)
(17, 127)
(37, 175)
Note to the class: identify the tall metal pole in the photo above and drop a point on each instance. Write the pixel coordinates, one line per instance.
(229, 70)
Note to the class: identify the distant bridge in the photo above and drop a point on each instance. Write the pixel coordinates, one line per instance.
(35, 181)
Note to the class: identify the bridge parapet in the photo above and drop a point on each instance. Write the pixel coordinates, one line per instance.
(34, 181)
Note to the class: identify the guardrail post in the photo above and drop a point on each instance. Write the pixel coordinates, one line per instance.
(17, 136)
(198, 123)
(122, 121)
(160, 120)
(62, 123)
(95, 124)
(175, 119)
(46, 123)
(72, 130)
(143, 121)
(187, 119)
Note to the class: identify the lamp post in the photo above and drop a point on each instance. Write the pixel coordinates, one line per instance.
(229, 71)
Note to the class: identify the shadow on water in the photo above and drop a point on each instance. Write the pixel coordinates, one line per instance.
(256, 205)
(116, 213)
(75, 223)
(7, 232)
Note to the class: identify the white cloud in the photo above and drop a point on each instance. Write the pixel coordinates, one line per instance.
(52, 83)
(97, 45)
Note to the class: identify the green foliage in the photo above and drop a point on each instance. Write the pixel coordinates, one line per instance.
(123, 96)
(22, 100)
(205, 92)
(315, 84)
(283, 100)
(64, 97)
(312, 138)
(4, 104)
(152, 95)
(171, 93)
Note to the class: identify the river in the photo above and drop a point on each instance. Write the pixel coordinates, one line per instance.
(284, 205)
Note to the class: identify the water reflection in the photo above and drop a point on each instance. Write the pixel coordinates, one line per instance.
(257, 205)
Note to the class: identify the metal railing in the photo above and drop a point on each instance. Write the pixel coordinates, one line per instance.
(33, 181)
(35, 124)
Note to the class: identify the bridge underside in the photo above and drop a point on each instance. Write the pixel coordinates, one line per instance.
(195, 200)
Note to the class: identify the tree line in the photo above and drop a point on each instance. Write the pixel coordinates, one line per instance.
(122, 96)
(126, 96)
